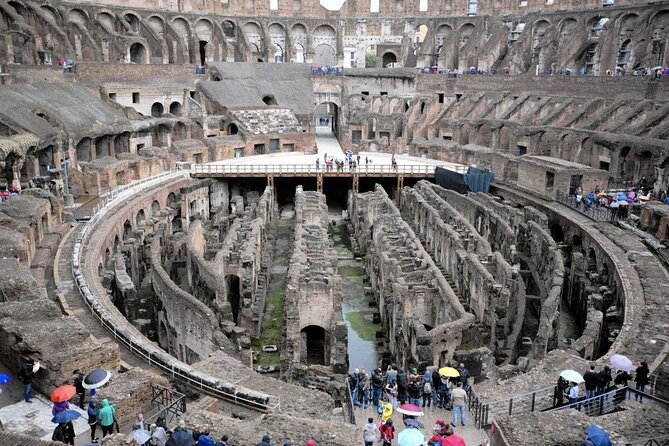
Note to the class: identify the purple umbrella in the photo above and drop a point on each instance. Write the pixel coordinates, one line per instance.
(620, 362)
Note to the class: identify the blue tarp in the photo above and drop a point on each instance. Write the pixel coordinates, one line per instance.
(475, 180)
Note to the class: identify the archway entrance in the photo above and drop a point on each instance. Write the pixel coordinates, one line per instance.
(234, 295)
(389, 60)
(313, 344)
(137, 53)
(326, 117)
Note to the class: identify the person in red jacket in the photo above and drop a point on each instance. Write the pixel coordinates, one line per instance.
(387, 432)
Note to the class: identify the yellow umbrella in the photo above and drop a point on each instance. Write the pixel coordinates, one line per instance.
(449, 372)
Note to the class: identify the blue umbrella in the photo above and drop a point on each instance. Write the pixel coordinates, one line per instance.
(4, 379)
(66, 416)
(598, 436)
(410, 437)
(96, 379)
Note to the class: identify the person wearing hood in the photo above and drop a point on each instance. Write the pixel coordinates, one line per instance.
(106, 417)
(265, 441)
(93, 418)
(60, 407)
(205, 439)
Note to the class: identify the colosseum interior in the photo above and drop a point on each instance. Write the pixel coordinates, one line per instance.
(231, 205)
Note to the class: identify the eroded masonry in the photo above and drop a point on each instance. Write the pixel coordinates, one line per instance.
(201, 223)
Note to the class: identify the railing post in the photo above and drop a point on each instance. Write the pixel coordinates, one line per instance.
(510, 405)
(534, 395)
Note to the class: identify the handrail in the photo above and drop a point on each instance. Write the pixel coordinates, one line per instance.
(593, 211)
(278, 169)
(349, 403)
(154, 356)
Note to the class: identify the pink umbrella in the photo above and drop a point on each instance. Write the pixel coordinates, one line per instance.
(410, 409)
(453, 440)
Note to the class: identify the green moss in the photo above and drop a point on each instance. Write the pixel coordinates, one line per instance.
(364, 328)
(271, 330)
(356, 279)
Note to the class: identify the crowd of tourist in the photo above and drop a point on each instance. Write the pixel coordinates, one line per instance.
(598, 382)
(327, 71)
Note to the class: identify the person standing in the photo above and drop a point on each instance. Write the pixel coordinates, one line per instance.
(573, 393)
(370, 432)
(642, 380)
(591, 378)
(415, 390)
(353, 381)
(459, 398)
(364, 388)
(159, 436)
(79, 385)
(402, 386)
(377, 386)
(93, 418)
(106, 416)
(26, 374)
(604, 380)
(464, 376)
(427, 388)
(387, 432)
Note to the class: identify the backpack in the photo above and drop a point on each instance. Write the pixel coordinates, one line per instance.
(427, 387)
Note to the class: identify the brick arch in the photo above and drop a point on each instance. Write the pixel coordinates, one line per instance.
(79, 15)
(53, 12)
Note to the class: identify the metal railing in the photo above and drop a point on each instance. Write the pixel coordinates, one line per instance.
(136, 344)
(170, 404)
(293, 169)
(349, 404)
(593, 211)
(484, 412)
(610, 400)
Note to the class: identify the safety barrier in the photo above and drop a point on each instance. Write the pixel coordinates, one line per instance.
(312, 169)
(111, 320)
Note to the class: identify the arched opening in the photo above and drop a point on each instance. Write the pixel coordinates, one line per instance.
(162, 337)
(623, 54)
(557, 233)
(269, 100)
(137, 53)
(312, 348)
(389, 60)
(175, 108)
(232, 284)
(157, 110)
(102, 146)
(326, 116)
(127, 230)
(232, 129)
(140, 217)
(84, 150)
(172, 200)
(644, 166)
(203, 52)
(155, 208)
(122, 143)
(325, 56)
(228, 29)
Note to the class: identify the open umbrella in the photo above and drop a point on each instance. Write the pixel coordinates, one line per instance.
(180, 438)
(66, 416)
(572, 376)
(411, 437)
(453, 440)
(620, 362)
(4, 379)
(141, 435)
(449, 372)
(63, 393)
(96, 379)
(410, 422)
(410, 409)
(598, 436)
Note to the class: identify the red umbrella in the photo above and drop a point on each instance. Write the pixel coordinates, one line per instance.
(453, 440)
(410, 409)
(63, 393)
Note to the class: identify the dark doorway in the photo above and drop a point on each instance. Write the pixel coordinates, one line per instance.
(234, 295)
(285, 187)
(203, 52)
(137, 53)
(313, 338)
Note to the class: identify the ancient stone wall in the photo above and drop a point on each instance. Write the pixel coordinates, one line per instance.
(419, 309)
(486, 282)
(315, 332)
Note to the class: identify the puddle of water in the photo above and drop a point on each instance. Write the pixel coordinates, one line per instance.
(358, 315)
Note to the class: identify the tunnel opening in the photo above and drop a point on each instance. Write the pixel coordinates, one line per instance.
(313, 344)
(234, 295)
(285, 188)
(336, 192)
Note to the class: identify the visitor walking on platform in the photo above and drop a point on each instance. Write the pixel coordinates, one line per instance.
(79, 385)
(92, 413)
(387, 432)
(604, 380)
(573, 393)
(459, 398)
(370, 433)
(402, 386)
(427, 388)
(377, 386)
(414, 388)
(641, 379)
(353, 382)
(363, 388)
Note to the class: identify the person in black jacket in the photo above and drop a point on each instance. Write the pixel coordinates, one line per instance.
(604, 380)
(642, 379)
(26, 374)
(402, 386)
(79, 385)
(591, 379)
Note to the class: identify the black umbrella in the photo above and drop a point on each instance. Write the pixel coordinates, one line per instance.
(180, 438)
(96, 379)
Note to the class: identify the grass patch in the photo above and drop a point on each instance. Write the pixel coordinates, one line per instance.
(364, 328)
(355, 279)
(272, 328)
